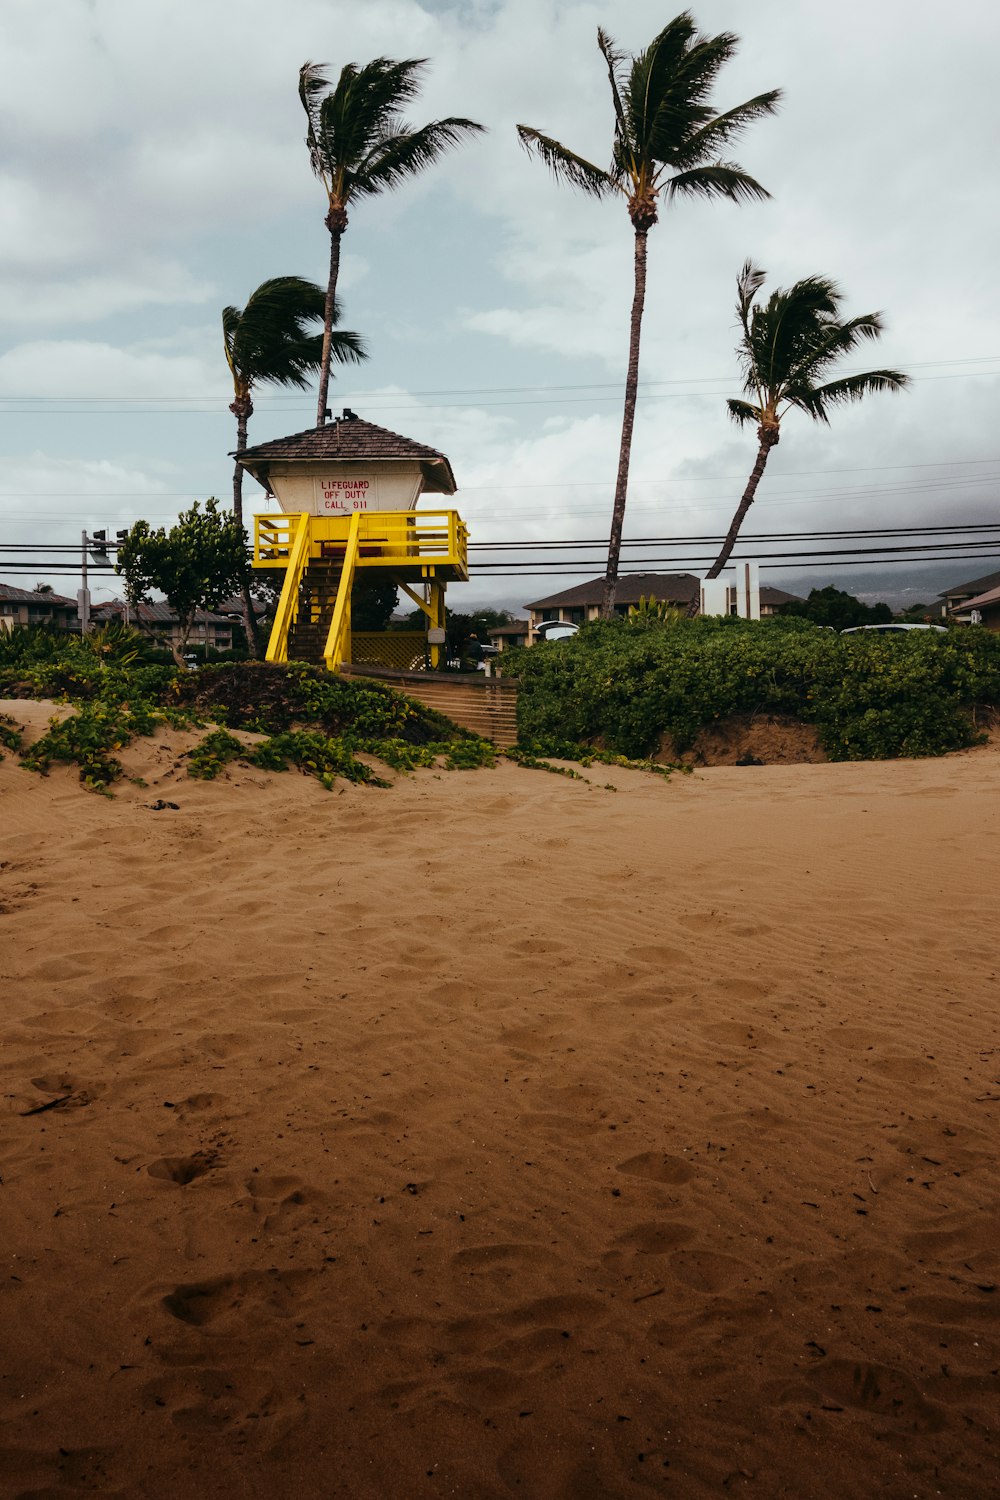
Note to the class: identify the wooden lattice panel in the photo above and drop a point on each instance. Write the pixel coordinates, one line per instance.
(403, 650)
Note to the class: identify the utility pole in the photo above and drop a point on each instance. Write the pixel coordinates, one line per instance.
(83, 597)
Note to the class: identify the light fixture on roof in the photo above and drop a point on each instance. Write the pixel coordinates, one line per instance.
(350, 416)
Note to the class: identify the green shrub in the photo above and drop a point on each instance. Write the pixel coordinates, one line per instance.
(627, 682)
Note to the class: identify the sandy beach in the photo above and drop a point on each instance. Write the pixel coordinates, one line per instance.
(500, 1133)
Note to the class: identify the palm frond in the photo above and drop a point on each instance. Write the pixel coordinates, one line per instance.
(748, 284)
(655, 101)
(718, 133)
(833, 341)
(313, 83)
(615, 60)
(269, 340)
(565, 164)
(721, 179)
(403, 152)
(743, 413)
(817, 399)
(365, 106)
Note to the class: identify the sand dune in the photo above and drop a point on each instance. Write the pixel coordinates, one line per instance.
(501, 1134)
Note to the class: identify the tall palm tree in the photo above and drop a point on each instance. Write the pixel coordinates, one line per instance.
(268, 342)
(788, 348)
(359, 147)
(667, 140)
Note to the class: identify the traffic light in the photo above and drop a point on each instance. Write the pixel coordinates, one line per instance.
(99, 546)
(122, 537)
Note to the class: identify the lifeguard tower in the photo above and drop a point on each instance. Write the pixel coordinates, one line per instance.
(347, 495)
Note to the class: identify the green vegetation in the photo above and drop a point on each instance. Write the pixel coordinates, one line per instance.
(196, 564)
(10, 734)
(626, 684)
(836, 608)
(312, 720)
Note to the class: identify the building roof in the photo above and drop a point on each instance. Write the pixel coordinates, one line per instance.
(159, 613)
(992, 596)
(672, 588)
(675, 588)
(349, 439)
(977, 586)
(29, 596)
(513, 627)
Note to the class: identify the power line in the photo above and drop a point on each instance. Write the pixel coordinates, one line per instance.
(278, 400)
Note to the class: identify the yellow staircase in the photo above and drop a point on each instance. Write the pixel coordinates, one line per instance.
(320, 555)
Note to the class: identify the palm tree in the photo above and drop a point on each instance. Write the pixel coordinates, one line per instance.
(787, 349)
(666, 143)
(269, 342)
(359, 147)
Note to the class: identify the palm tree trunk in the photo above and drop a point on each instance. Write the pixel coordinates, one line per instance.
(243, 409)
(768, 437)
(628, 422)
(336, 228)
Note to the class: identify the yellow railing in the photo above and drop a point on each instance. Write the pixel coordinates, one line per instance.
(423, 539)
(296, 544)
(273, 539)
(338, 639)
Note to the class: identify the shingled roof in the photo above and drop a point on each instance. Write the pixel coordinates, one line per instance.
(671, 588)
(675, 588)
(32, 596)
(350, 439)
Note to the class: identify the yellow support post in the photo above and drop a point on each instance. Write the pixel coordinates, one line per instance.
(436, 618)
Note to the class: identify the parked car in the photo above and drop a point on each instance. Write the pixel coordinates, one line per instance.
(892, 628)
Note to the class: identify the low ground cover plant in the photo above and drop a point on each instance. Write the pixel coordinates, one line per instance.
(626, 683)
(312, 720)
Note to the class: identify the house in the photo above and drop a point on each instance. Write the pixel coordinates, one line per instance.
(956, 600)
(515, 633)
(21, 607)
(161, 622)
(583, 602)
(985, 605)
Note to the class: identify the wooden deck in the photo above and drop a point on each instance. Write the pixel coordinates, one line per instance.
(486, 705)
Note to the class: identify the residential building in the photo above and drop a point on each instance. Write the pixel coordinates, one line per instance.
(583, 602)
(162, 623)
(985, 605)
(515, 633)
(956, 600)
(21, 607)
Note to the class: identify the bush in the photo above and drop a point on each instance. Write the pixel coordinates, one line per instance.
(626, 683)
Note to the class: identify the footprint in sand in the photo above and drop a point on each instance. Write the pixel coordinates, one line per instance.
(201, 1302)
(657, 1166)
(183, 1169)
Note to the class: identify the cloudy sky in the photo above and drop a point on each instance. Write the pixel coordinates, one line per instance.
(156, 171)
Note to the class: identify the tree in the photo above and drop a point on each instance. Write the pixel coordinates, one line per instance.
(373, 599)
(787, 349)
(666, 143)
(268, 342)
(359, 147)
(836, 608)
(196, 564)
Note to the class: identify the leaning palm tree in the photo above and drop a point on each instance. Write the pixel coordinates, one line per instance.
(359, 147)
(788, 348)
(269, 342)
(666, 145)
